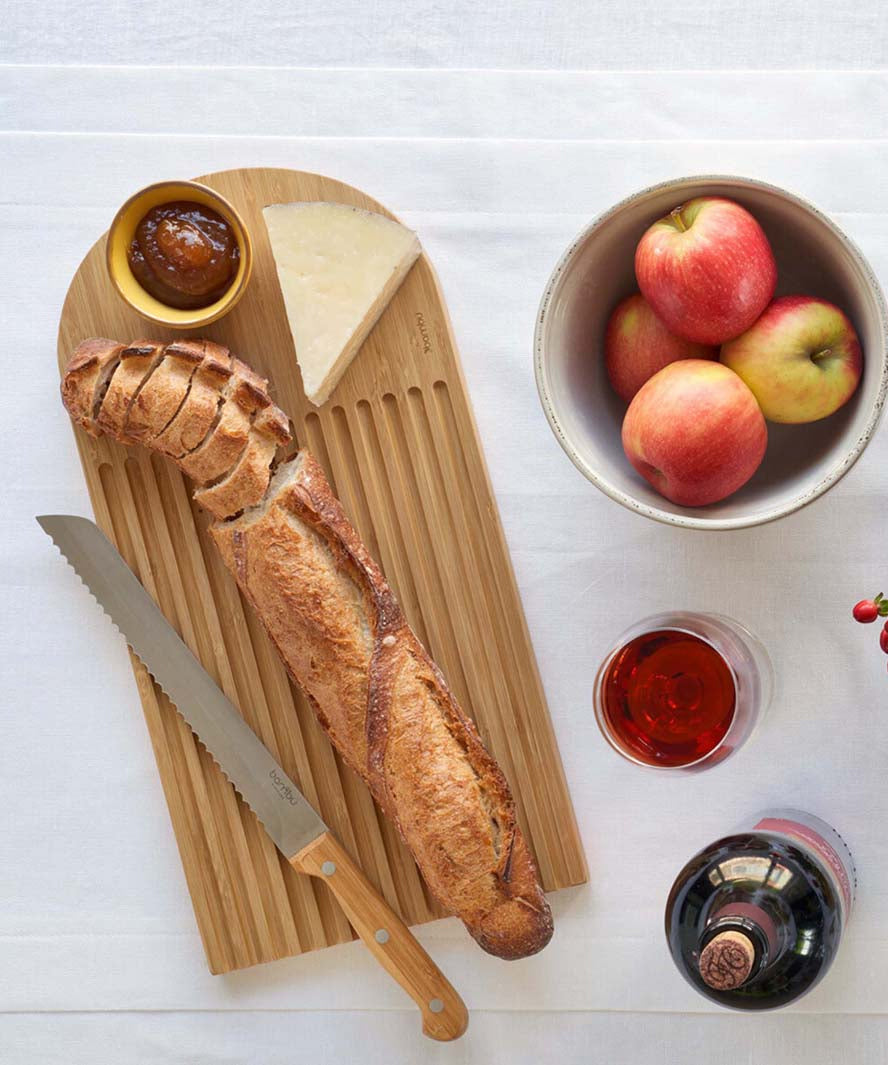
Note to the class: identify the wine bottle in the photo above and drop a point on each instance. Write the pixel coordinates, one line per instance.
(754, 920)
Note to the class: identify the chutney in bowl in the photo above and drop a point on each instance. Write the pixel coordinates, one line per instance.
(179, 254)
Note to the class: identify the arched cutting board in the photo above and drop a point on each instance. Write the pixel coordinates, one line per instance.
(400, 445)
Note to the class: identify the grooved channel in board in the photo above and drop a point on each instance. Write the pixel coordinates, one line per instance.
(399, 468)
(400, 445)
(392, 548)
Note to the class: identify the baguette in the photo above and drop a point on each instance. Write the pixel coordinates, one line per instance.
(340, 632)
(385, 705)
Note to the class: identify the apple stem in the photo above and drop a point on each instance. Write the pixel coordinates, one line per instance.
(818, 355)
(677, 220)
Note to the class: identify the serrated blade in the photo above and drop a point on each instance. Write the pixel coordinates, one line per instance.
(283, 810)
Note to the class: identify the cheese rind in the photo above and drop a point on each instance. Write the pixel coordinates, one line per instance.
(338, 268)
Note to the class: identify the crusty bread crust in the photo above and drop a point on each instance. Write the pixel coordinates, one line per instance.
(340, 631)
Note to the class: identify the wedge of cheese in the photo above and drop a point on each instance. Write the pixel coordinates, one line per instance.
(338, 267)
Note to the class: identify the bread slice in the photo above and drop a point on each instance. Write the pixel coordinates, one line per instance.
(137, 362)
(243, 395)
(202, 405)
(246, 483)
(161, 396)
(86, 379)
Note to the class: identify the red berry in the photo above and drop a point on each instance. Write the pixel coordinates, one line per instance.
(883, 640)
(865, 611)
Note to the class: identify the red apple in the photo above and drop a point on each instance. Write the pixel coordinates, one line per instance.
(695, 432)
(637, 345)
(801, 359)
(707, 269)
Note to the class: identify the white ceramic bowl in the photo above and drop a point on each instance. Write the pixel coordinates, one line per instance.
(814, 257)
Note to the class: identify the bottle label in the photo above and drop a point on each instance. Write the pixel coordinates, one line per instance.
(822, 841)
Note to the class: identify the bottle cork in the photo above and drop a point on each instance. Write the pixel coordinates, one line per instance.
(727, 960)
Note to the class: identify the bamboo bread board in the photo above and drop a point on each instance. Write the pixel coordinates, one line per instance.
(398, 441)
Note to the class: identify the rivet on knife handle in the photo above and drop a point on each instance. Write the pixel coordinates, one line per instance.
(444, 1014)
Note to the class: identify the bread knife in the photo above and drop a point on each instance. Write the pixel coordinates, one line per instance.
(287, 816)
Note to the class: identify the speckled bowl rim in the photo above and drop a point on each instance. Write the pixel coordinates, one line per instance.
(683, 520)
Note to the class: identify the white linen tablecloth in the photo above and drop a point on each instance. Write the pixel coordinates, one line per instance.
(496, 131)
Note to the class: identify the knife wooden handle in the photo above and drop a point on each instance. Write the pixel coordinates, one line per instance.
(444, 1015)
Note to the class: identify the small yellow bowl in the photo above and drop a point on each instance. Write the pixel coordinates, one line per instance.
(120, 236)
